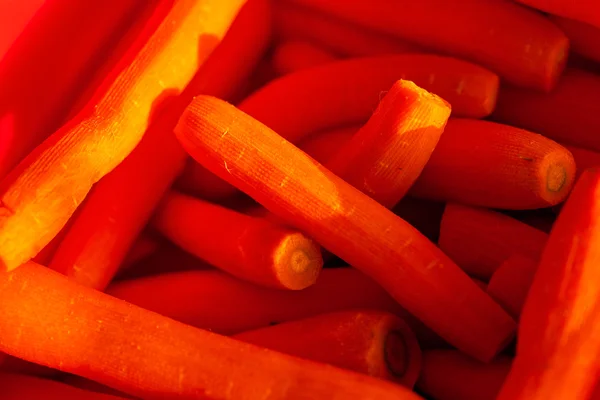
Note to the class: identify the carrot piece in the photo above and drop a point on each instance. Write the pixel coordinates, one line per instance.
(346, 222)
(579, 10)
(531, 54)
(450, 375)
(569, 114)
(293, 22)
(492, 165)
(107, 339)
(559, 331)
(481, 240)
(584, 38)
(371, 342)
(584, 159)
(510, 283)
(119, 206)
(250, 248)
(296, 55)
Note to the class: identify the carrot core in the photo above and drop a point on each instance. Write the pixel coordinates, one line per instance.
(301, 255)
(557, 176)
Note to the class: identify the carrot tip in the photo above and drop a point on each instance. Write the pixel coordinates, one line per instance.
(298, 262)
(395, 353)
(556, 178)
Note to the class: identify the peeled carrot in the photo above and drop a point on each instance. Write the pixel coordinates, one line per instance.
(559, 330)
(579, 10)
(117, 344)
(370, 342)
(492, 165)
(481, 240)
(584, 159)
(510, 283)
(532, 53)
(584, 38)
(349, 224)
(569, 114)
(296, 55)
(450, 375)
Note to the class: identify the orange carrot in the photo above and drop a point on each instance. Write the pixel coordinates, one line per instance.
(584, 38)
(579, 10)
(584, 159)
(293, 22)
(250, 248)
(569, 114)
(559, 330)
(370, 342)
(532, 53)
(450, 375)
(296, 188)
(481, 240)
(492, 165)
(117, 344)
(296, 55)
(510, 283)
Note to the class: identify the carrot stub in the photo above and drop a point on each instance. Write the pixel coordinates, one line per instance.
(511, 282)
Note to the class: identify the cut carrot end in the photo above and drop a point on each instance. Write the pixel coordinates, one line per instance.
(557, 177)
(297, 262)
(559, 169)
(395, 353)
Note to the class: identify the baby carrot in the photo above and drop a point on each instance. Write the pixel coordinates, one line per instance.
(120, 204)
(480, 240)
(568, 114)
(559, 330)
(117, 344)
(293, 186)
(374, 343)
(296, 55)
(579, 10)
(486, 164)
(248, 247)
(37, 200)
(510, 283)
(584, 38)
(450, 375)
(532, 53)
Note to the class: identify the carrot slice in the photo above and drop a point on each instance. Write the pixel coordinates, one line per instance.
(579, 10)
(510, 283)
(21, 387)
(584, 38)
(296, 55)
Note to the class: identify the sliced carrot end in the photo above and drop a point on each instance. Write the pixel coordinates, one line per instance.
(297, 262)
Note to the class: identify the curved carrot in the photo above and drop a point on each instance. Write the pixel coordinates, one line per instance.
(532, 53)
(481, 240)
(348, 223)
(568, 114)
(584, 38)
(492, 165)
(117, 344)
(559, 330)
(296, 55)
(370, 342)
(510, 283)
(579, 10)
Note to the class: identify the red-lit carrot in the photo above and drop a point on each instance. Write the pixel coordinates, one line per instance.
(579, 10)
(144, 246)
(117, 344)
(510, 283)
(450, 375)
(559, 330)
(584, 158)
(296, 55)
(293, 22)
(569, 114)
(492, 165)
(119, 205)
(531, 54)
(37, 199)
(323, 146)
(480, 240)
(374, 343)
(346, 222)
(584, 38)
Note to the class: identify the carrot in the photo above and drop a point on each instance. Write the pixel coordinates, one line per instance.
(144, 246)
(38, 199)
(323, 146)
(293, 22)
(559, 329)
(492, 165)
(450, 375)
(584, 38)
(579, 10)
(296, 55)
(370, 342)
(531, 54)
(296, 188)
(250, 248)
(117, 344)
(510, 283)
(481, 240)
(120, 205)
(569, 114)
(584, 159)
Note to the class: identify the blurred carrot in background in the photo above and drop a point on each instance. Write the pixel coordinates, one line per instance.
(20, 387)
(578, 10)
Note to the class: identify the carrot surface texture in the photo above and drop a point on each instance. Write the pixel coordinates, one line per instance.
(370, 342)
(511, 282)
(296, 55)
(559, 330)
(295, 187)
(584, 38)
(88, 333)
(579, 10)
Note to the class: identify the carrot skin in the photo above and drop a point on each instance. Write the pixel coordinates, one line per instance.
(579, 10)
(584, 38)
(296, 55)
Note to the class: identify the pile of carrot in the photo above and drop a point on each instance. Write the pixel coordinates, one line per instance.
(300, 199)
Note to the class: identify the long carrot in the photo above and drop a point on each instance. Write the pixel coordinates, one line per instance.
(532, 53)
(584, 38)
(569, 114)
(295, 55)
(370, 342)
(579, 10)
(293, 186)
(481, 240)
(510, 283)
(83, 331)
(559, 330)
